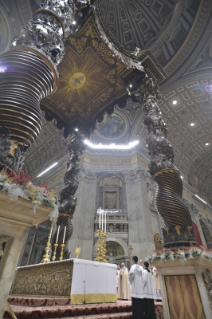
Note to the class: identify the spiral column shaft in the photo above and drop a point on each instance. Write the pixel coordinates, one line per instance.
(67, 196)
(28, 73)
(178, 229)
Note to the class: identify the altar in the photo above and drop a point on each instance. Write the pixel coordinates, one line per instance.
(82, 281)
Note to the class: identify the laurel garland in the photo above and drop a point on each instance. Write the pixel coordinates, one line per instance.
(19, 186)
(184, 254)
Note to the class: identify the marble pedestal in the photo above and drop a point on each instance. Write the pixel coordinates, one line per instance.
(15, 218)
(183, 290)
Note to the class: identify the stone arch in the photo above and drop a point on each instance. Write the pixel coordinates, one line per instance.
(119, 241)
(206, 232)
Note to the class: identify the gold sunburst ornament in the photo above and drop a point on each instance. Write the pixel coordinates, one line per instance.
(81, 78)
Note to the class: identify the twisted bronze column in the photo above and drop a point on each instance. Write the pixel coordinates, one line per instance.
(67, 196)
(28, 73)
(177, 229)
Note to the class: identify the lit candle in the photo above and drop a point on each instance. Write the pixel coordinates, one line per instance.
(58, 230)
(64, 235)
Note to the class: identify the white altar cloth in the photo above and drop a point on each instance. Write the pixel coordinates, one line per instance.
(93, 282)
(82, 281)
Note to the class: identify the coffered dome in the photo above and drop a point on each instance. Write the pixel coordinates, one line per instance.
(160, 26)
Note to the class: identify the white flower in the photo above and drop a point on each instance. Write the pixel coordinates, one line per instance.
(171, 255)
(190, 256)
(2, 177)
(154, 256)
(182, 256)
(163, 257)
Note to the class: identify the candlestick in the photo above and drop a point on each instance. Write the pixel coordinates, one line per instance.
(51, 232)
(64, 234)
(61, 253)
(55, 249)
(46, 256)
(58, 230)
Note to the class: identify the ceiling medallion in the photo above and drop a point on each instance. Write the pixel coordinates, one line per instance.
(77, 80)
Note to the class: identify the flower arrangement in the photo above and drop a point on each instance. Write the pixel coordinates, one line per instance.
(18, 185)
(182, 254)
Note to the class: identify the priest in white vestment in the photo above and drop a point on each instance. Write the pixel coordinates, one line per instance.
(137, 281)
(149, 293)
(123, 284)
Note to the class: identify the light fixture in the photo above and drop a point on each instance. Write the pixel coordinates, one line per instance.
(130, 85)
(3, 69)
(206, 144)
(74, 22)
(46, 170)
(192, 124)
(181, 176)
(76, 129)
(112, 146)
(174, 102)
(200, 199)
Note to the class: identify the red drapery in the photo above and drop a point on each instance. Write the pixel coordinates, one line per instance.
(196, 234)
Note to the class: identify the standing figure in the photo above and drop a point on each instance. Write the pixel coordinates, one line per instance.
(156, 284)
(149, 295)
(117, 277)
(137, 278)
(123, 286)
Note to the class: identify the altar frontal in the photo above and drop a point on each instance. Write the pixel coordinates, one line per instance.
(82, 281)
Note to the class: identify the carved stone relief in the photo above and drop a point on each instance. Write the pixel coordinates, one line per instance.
(207, 277)
(207, 233)
(5, 244)
(111, 180)
(3, 241)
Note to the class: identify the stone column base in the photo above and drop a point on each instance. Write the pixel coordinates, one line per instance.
(178, 236)
(185, 287)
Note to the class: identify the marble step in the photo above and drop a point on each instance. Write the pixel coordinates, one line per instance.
(119, 315)
(46, 308)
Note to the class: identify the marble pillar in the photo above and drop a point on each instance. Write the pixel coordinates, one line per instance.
(15, 218)
(84, 216)
(17, 233)
(139, 216)
(185, 270)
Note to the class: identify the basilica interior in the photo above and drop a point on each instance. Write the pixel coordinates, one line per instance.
(96, 94)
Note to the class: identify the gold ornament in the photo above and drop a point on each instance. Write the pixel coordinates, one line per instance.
(77, 251)
(61, 253)
(101, 248)
(46, 258)
(55, 249)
